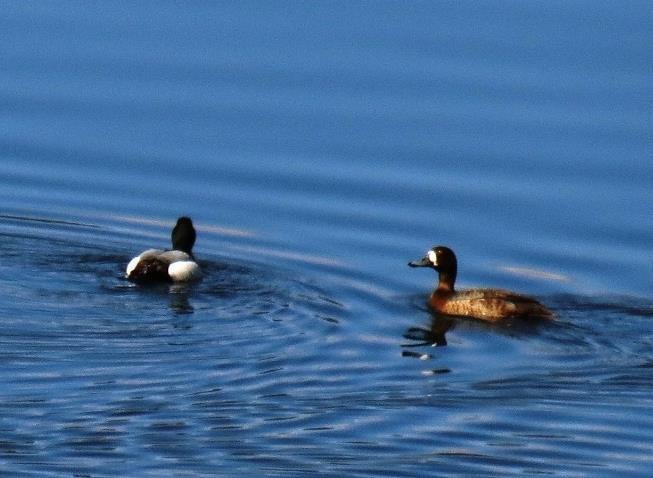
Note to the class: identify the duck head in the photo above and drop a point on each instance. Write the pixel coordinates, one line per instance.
(183, 235)
(443, 260)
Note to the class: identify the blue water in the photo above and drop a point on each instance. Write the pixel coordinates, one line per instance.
(318, 148)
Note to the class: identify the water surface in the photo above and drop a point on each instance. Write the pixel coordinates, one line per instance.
(318, 150)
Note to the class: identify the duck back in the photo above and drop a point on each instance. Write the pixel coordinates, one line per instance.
(153, 265)
(488, 304)
(150, 269)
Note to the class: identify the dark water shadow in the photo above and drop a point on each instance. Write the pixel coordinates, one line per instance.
(434, 335)
(625, 305)
(44, 222)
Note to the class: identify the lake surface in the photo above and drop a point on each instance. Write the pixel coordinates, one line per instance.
(318, 148)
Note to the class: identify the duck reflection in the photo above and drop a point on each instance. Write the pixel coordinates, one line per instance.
(179, 299)
(434, 335)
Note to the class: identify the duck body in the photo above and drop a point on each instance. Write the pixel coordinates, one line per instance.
(485, 304)
(156, 265)
(176, 265)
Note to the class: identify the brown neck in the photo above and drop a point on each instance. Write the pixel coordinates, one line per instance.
(445, 282)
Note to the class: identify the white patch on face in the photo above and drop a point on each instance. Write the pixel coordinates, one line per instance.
(433, 257)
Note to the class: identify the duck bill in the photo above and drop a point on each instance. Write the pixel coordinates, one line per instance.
(423, 262)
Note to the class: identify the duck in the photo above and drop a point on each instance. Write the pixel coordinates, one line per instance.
(175, 265)
(491, 305)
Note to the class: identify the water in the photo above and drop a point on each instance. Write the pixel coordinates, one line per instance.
(319, 148)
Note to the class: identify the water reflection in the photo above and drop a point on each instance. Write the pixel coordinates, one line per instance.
(153, 371)
(434, 335)
(179, 299)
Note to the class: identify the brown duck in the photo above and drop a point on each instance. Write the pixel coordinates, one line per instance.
(486, 304)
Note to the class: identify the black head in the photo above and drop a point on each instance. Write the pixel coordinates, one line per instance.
(440, 258)
(183, 235)
(443, 260)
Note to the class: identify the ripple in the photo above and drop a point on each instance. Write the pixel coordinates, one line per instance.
(305, 350)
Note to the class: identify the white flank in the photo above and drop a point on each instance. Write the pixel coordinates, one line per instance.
(184, 271)
(132, 265)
